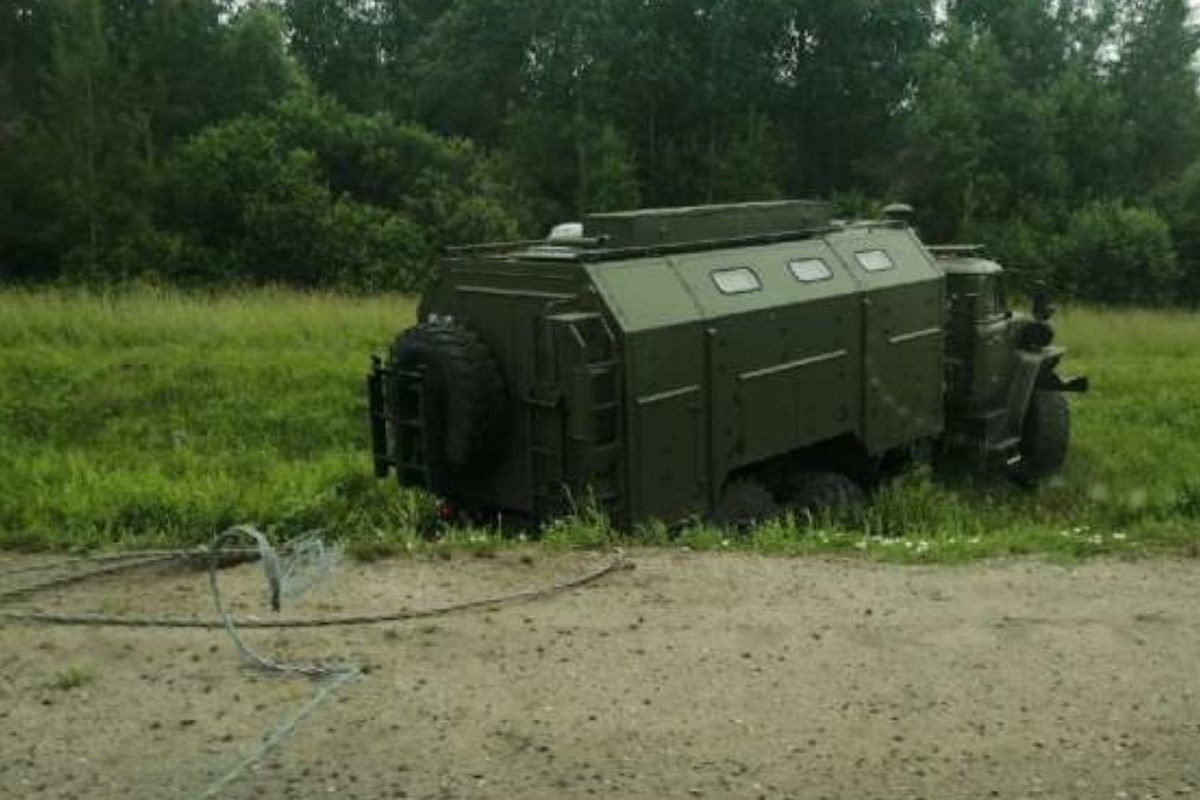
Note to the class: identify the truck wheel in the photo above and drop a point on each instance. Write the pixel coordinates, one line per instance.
(467, 398)
(744, 503)
(817, 493)
(1045, 437)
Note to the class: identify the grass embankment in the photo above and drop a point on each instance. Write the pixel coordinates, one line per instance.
(159, 418)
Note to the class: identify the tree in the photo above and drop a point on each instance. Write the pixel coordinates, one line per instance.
(87, 143)
(24, 42)
(1014, 122)
(848, 70)
(1157, 78)
(339, 45)
(470, 67)
(1179, 201)
(947, 138)
(254, 69)
(358, 123)
(196, 62)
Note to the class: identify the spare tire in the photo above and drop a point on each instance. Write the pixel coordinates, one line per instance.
(465, 396)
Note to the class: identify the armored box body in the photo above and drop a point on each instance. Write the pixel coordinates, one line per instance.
(645, 374)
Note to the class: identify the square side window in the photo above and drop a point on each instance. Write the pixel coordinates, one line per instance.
(736, 281)
(809, 270)
(874, 260)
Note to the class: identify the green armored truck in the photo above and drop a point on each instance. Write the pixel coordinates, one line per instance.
(720, 362)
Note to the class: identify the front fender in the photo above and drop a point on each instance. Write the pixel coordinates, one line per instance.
(1034, 369)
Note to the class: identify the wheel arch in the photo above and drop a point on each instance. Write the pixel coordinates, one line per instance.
(1032, 370)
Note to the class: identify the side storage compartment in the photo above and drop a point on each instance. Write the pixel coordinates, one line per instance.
(669, 425)
(902, 371)
(903, 337)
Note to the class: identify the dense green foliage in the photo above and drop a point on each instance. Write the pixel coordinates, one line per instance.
(1112, 254)
(342, 142)
(156, 417)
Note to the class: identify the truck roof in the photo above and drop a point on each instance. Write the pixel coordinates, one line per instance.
(591, 249)
(659, 226)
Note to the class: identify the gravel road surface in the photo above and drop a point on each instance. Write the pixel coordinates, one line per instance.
(720, 676)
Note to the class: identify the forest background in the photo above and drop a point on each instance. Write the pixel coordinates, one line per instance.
(341, 143)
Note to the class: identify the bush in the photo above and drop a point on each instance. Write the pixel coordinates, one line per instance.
(310, 195)
(1179, 201)
(441, 183)
(370, 249)
(1119, 254)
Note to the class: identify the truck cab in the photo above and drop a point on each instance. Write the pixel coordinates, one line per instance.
(1001, 379)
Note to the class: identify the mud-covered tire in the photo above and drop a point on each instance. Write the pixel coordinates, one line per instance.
(467, 397)
(1045, 437)
(820, 493)
(745, 502)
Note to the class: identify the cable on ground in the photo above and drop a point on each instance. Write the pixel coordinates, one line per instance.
(615, 564)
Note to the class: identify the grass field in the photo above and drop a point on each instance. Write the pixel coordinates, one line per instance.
(159, 418)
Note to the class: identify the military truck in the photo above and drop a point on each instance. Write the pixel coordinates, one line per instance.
(717, 362)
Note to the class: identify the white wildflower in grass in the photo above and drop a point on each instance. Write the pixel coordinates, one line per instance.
(922, 547)
(1119, 537)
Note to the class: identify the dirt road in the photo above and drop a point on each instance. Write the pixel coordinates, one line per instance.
(690, 676)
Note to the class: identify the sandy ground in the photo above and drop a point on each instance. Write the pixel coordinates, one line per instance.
(690, 676)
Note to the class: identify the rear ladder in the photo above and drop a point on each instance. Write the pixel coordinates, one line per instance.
(399, 431)
(587, 407)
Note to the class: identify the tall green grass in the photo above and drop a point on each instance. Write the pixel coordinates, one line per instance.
(156, 417)
(161, 416)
